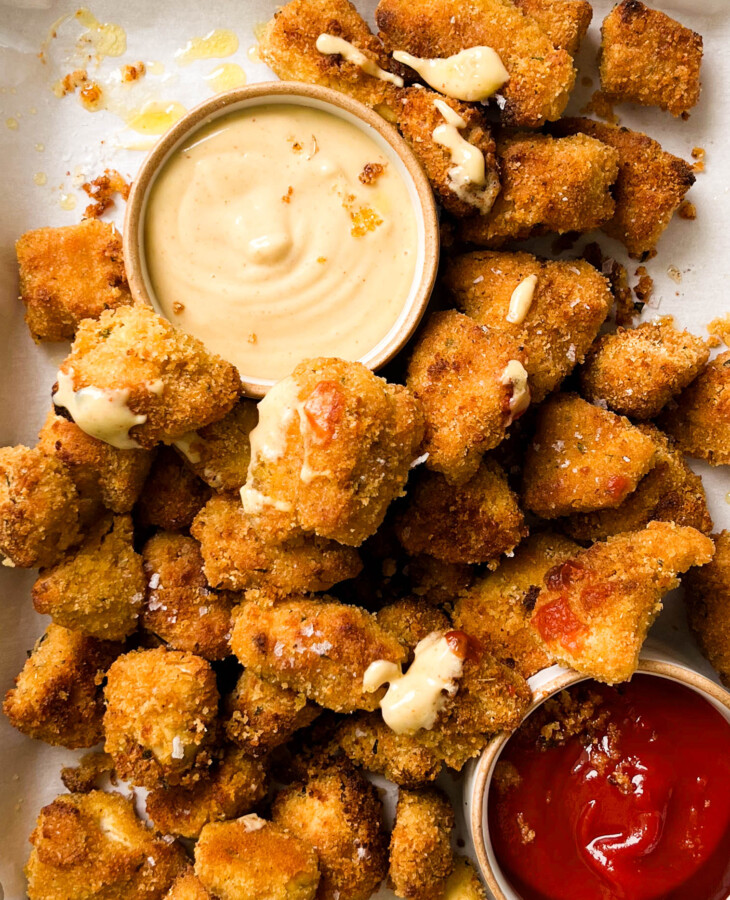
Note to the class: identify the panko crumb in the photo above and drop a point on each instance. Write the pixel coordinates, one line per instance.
(600, 105)
(720, 328)
(102, 189)
(133, 72)
(371, 172)
(644, 288)
(698, 155)
(687, 210)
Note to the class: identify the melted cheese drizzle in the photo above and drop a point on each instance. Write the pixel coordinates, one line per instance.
(414, 699)
(188, 445)
(473, 74)
(329, 45)
(516, 375)
(101, 413)
(469, 167)
(521, 300)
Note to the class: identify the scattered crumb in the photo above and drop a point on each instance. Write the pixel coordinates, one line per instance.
(687, 210)
(252, 338)
(133, 71)
(178, 307)
(322, 259)
(601, 106)
(83, 778)
(287, 197)
(371, 172)
(102, 190)
(69, 83)
(675, 274)
(698, 154)
(720, 328)
(626, 308)
(527, 834)
(645, 286)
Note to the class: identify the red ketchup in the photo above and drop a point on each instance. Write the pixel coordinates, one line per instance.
(634, 806)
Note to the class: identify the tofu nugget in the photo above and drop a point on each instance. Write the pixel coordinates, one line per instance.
(471, 383)
(133, 380)
(250, 857)
(637, 371)
(475, 522)
(332, 449)
(700, 420)
(69, 274)
(582, 458)
(555, 316)
(40, 508)
(180, 608)
(651, 183)
(496, 609)
(172, 495)
(57, 697)
(339, 813)
(548, 185)
(232, 787)
(540, 77)
(594, 610)
(188, 887)
(707, 595)
(241, 553)
(410, 620)
(159, 724)
(565, 22)
(315, 646)
(420, 846)
(649, 58)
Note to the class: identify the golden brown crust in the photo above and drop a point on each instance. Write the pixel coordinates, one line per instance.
(420, 846)
(707, 595)
(187, 887)
(565, 22)
(92, 767)
(464, 882)
(410, 620)
(172, 495)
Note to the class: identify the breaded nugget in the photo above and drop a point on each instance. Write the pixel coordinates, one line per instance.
(565, 22)
(700, 420)
(163, 382)
(69, 274)
(241, 553)
(40, 508)
(57, 696)
(410, 620)
(93, 846)
(232, 787)
(649, 58)
(187, 887)
(102, 474)
(261, 715)
(637, 371)
(670, 492)
(475, 522)
(99, 588)
(496, 609)
(540, 77)
(159, 724)
(418, 118)
(339, 813)
(315, 646)
(220, 453)
(463, 884)
(651, 183)
(459, 372)
(582, 458)
(569, 302)
(332, 449)
(420, 846)
(180, 608)
(250, 857)
(707, 595)
(172, 495)
(548, 185)
(595, 609)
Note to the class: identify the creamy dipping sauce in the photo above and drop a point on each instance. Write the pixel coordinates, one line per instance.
(281, 232)
(473, 74)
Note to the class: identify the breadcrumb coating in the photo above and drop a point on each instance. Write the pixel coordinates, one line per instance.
(437, 582)
(565, 22)
(420, 846)
(707, 596)
(172, 495)
(187, 887)
(410, 620)
(594, 610)
(83, 778)
(463, 884)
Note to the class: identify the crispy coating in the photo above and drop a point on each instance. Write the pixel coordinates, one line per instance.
(582, 458)
(700, 420)
(457, 371)
(57, 696)
(496, 609)
(93, 847)
(420, 846)
(650, 186)
(418, 117)
(159, 724)
(187, 887)
(594, 610)
(637, 371)
(220, 453)
(463, 884)
(40, 508)
(261, 715)
(410, 620)
(707, 596)
(548, 185)
(170, 377)
(570, 301)
(332, 449)
(180, 608)
(92, 767)
(475, 522)
(315, 646)
(172, 495)
(241, 553)
(69, 274)
(250, 857)
(649, 58)
(339, 813)
(437, 582)
(232, 787)
(565, 22)
(670, 492)
(540, 77)
(99, 588)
